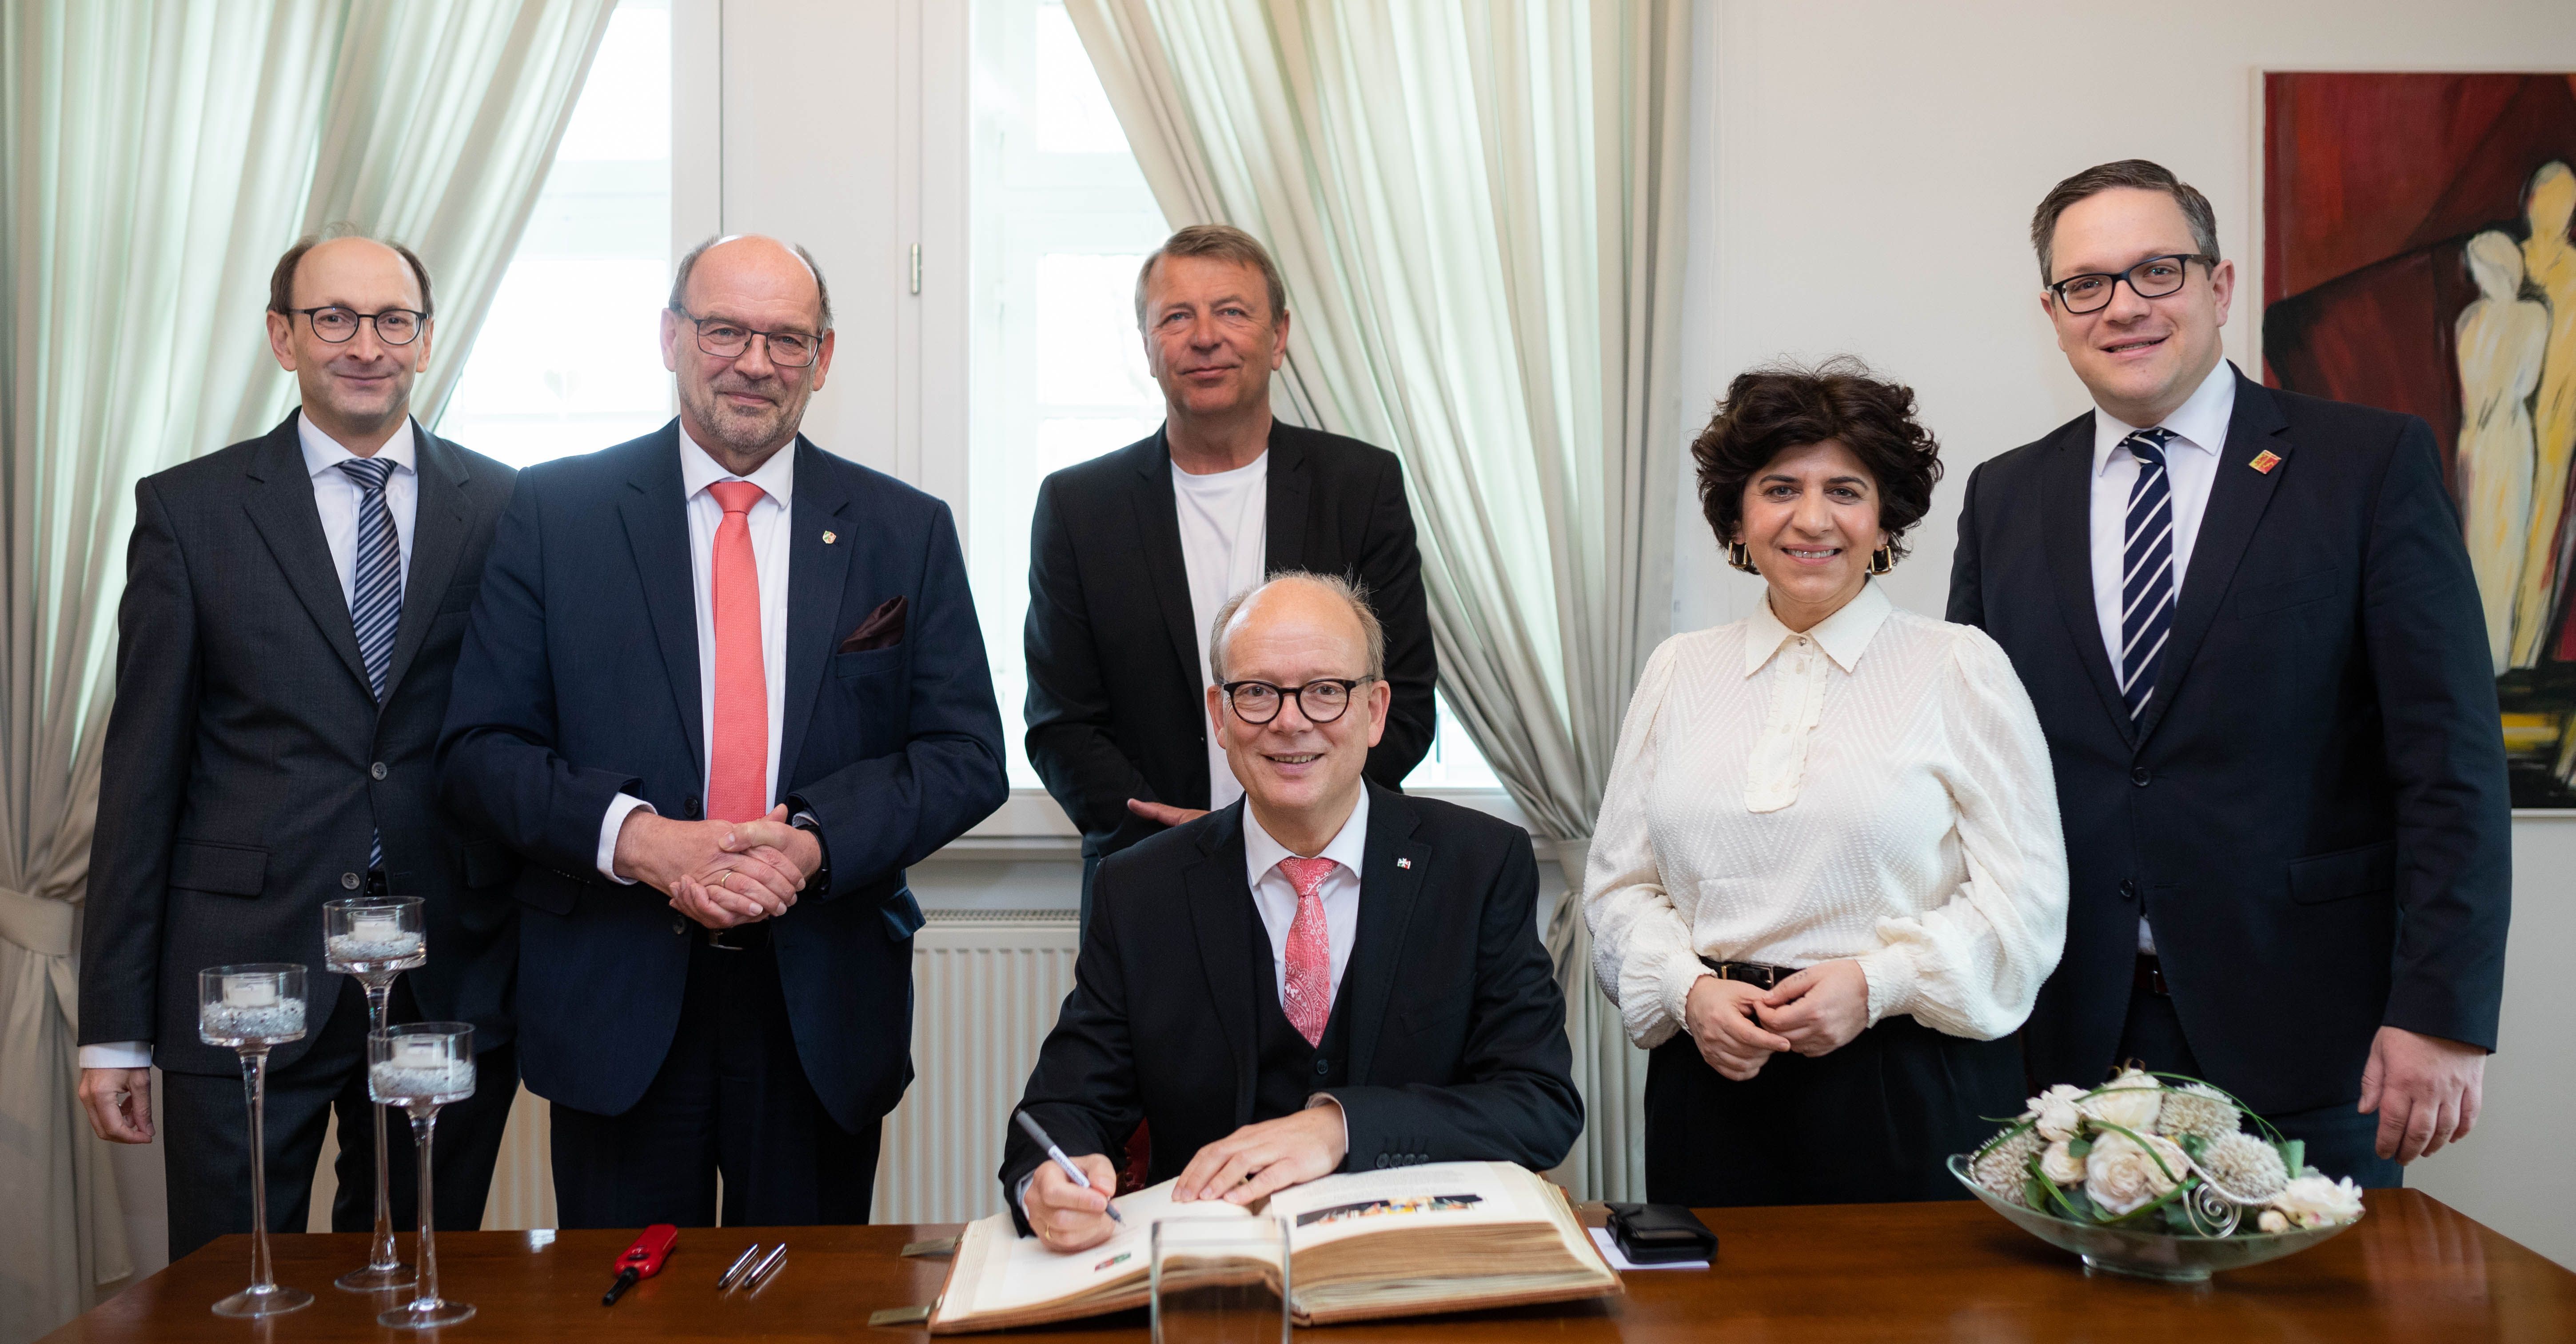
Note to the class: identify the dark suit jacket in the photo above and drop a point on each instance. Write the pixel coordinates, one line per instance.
(247, 760)
(2313, 810)
(1115, 707)
(579, 681)
(1457, 1031)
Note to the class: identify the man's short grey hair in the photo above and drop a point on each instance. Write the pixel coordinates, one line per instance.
(1224, 242)
(1355, 594)
(689, 262)
(2141, 174)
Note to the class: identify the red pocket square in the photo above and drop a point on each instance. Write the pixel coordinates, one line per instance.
(883, 629)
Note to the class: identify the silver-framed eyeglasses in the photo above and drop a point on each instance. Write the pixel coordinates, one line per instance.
(726, 339)
(394, 326)
(1322, 700)
(2154, 278)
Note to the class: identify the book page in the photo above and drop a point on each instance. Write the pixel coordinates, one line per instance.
(1021, 1272)
(1440, 1194)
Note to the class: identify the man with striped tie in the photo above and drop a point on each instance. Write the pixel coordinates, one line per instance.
(286, 640)
(2249, 625)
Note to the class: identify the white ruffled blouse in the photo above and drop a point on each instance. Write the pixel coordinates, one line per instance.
(1876, 788)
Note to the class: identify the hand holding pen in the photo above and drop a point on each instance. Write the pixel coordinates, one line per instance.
(1062, 1218)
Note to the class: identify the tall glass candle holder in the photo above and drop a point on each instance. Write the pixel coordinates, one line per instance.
(375, 938)
(251, 1008)
(420, 1068)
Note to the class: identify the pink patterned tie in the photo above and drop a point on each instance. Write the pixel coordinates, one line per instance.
(738, 774)
(1309, 997)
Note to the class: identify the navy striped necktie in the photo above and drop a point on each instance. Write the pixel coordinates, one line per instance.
(2147, 577)
(375, 588)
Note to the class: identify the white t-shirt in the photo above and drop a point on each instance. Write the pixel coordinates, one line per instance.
(1225, 534)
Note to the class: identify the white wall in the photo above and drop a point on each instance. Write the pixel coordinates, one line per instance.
(1845, 148)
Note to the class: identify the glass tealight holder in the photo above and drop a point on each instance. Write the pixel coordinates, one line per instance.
(420, 1068)
(248, 1009)
(374, 939)
(1219, 1280)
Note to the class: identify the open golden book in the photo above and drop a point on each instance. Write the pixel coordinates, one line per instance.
(1452, 1236)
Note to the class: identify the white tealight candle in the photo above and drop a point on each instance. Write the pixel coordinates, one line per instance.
(421, 1052)
(250, 991)
(374, 927)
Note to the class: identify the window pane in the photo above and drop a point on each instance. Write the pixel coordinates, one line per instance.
(569, 359)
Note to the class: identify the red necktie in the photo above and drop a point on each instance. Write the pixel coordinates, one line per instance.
(738, 768)
(1308, 1001)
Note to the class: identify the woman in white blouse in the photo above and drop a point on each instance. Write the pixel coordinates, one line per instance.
(1827, 879)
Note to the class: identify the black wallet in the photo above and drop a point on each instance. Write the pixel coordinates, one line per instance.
(1660, 1234)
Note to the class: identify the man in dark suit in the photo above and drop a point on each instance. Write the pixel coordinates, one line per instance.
(2248, 623)
(717, 667)
(1323, 976)
(288, 633)
(1131, 553)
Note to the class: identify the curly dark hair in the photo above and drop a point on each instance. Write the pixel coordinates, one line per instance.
(1778, 407)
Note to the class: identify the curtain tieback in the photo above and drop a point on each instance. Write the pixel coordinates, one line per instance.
(41, 926)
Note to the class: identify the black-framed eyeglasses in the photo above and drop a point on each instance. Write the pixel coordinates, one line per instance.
(394, 326)
(728, 340)
(2153, 278)
(1322, 700)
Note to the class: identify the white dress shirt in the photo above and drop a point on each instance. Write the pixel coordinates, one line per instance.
(770, 546)
(2199, 426)
(1876, 788)
(335, 497)
(1276, 897)
(1225, 536)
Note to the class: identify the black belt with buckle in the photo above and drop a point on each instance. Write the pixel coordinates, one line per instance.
(2151, 977)
(1750, 972)
(739, 938)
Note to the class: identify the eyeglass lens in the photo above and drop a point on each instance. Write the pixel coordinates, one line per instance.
(1319, 701)
(394, 326)
(2153, 278)
(727, 341)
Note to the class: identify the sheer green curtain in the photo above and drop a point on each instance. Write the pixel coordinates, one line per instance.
(157, 156)
(1479, 211)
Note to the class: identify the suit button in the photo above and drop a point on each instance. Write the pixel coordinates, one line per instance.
(679, 926)
(1381, 1161)
(2128, 889)
(2140, 776)
(1322, 1067)
(349, 881)
(378, 770)
(689, 807)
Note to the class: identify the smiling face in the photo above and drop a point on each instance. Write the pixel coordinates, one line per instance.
(355, 390)
(2140, 358)
(1810, 522)
(744, 408)
(1300, 775)
(1210, 337)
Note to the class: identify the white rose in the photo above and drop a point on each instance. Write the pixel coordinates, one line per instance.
(2122, 1177)
(2130, 1101)
(2055, 1112)
(2314, 1201)
(2060, 1164)
(2273, 1221)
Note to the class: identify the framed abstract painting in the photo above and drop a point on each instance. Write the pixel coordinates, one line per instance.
(2417, 256)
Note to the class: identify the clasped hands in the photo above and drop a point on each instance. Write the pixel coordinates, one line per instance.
(1241, 1168)
(1738, 1026)
(720, 873)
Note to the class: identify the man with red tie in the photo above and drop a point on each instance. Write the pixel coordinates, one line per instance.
(721, 688)
(1325, 976)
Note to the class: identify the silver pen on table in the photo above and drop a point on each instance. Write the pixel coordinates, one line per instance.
(767, 1269)
(1029, 1126)
(734, 1270)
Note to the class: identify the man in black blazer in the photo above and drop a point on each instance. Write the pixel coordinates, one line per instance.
(2248, 623)
(1324, 976)
(713, 669)
(270, 751)
(1131, 553)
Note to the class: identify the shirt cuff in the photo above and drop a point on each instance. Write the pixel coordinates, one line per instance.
(1890, 973)
(117, 1055)
(1328, 1099)
(1680, 974)
(1019, 1196)
(618, 809)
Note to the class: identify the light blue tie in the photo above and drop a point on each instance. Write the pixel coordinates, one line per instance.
(375, 592)
(2146, 587)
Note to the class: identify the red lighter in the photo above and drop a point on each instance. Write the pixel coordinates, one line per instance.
(642, 1260)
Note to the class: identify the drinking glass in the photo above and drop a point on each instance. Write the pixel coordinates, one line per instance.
(420, 1068)
(1220, 1281)
(250, 1008)
(376, 938)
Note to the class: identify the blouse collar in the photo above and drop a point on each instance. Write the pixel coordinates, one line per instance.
(1842, 635)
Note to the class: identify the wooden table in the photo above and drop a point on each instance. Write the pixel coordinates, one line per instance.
(2413, 1270)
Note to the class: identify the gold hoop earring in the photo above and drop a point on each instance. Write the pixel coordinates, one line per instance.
(1883, 560)
(1740, 558)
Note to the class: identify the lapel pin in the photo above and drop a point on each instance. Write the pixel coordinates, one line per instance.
(2264, 461)
(830, 537)
(1404, 863)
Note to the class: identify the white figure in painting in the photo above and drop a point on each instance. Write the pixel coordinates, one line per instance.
(2549, 260)
(2501, 338)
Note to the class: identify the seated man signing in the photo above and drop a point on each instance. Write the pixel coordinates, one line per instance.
(1327, 976)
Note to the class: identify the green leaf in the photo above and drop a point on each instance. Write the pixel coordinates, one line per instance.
(2079, 1146)
(2294, 1156)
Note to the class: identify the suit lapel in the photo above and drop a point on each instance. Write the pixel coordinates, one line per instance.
(1158, 537)
(1387, 897)
(657, 531)
(2237, 499)
(2067, 522)
(1220, 904)
(817, 571)
(438, 539)
(1284, 512)
(281, 507)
